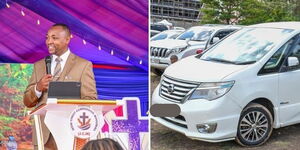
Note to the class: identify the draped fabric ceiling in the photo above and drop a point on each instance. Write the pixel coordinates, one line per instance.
(113, 34)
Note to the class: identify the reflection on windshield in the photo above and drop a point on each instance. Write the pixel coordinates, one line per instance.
(160, 37)
(169, 34)
(247, 45)
(195, 34)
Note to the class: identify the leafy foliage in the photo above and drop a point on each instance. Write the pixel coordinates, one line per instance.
(13, 120)
(247, 12)
(7, 119)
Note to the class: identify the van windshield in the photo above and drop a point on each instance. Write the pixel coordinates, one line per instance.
(246, 46)
(195, 34)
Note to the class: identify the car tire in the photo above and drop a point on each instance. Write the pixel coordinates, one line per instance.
(157, 72)
(255, 125)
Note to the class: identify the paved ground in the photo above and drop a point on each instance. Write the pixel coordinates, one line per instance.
(162, 138)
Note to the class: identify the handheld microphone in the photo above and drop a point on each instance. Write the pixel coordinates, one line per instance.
(48, 64)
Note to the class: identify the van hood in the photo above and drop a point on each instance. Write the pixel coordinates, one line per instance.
(194, 69)
(173, 43)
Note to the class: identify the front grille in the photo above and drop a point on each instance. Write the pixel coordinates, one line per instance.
(176, 90)
(159, 52)
(180, 118)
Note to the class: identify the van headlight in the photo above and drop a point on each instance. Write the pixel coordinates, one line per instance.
(212, 90)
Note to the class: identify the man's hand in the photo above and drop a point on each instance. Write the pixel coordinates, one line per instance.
(43, 84)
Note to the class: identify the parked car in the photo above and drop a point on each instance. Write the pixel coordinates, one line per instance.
(156, 28)
(193, 41)
(154, 32)
(167, 34)
(240, 89)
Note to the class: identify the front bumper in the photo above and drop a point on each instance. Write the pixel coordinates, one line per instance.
(160, 63)
(223, 111)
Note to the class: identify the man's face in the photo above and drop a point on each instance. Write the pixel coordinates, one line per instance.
(57, 40)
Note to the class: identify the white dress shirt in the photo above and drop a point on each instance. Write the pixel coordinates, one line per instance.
(64, 58)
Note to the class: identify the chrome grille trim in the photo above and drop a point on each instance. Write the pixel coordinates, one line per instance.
(180, 84)
(177, 88)
(181, 89)
(159, 52)
(171, 96)
(182, 94)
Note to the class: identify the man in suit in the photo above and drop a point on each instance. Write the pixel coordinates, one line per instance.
(65, 66)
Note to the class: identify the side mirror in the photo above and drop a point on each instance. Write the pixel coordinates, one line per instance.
(215, 40)
(293, 61)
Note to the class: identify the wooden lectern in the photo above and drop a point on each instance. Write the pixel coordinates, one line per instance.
(57, 118)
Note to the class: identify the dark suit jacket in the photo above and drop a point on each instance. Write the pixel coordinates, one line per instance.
(76, 69)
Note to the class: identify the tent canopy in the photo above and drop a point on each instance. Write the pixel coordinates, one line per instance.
(104, 31)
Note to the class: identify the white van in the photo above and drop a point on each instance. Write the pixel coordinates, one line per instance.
(241, 88)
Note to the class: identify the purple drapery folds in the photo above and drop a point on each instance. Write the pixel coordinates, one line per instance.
(109, 32)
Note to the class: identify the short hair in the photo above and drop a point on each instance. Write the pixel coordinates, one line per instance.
(64, 26)
(102, 144)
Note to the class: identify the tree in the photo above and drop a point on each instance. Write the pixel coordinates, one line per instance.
(296, 11)
(247, 11)
(220, 11)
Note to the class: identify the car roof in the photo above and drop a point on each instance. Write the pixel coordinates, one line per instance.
(282, 25)
(171, 31)
(217, 26)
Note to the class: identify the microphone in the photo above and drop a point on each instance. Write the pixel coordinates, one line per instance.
(48, 64)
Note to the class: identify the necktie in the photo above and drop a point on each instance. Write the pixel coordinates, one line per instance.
(57, 69)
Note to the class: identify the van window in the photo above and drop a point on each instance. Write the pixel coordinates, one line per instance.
(274, 63)
(295, 52)
(221, 34)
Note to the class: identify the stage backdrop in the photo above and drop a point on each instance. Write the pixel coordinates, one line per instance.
(13, 115)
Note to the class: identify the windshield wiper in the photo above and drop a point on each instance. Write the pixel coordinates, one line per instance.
(245, 63)
(221, 60)
(229, 62)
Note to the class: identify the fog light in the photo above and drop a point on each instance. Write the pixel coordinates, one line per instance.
(207, 128)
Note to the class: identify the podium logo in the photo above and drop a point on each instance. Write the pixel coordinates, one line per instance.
(84, 122)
